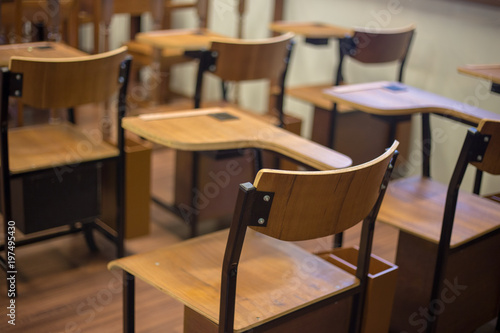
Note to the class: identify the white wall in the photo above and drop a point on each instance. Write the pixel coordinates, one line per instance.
(449, 33)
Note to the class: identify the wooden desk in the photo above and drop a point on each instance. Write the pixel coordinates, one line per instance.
(488, 72)
(38, 50)
(475, 236)
(199, 130)
(185, 39)
(170, 270)
(311, 30)
(394, 98)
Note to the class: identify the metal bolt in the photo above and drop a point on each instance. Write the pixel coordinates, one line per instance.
(17, 93)
(212, 68)
(121, 79)
(383, 187)
(267, 198)
(480, 157)
(261, 221)
(486, 138)
(215, 54)
(122, 66)
(18, 77)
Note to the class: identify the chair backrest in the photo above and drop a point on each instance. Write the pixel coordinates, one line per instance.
(300, 205)
(67, 82)
(241, 60)
(308, 205)
(375, 47)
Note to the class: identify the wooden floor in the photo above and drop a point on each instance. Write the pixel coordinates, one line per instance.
(65, 288)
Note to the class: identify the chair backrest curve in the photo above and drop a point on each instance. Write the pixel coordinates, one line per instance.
(68, 82)
(382, 46)
(241, 60)
(309, 205)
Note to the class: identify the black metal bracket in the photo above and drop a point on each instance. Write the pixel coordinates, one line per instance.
(208, 60)
(480, 146)
(317, 41)
(348, 45)
(123, 73)
(16, 84)
(495, 87)
(195, 54)
(261, 209)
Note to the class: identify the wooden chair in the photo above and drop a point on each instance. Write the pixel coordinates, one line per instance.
(232, 61)
(61, 23)
(448, 244)
(262, 286)
(51, 173)
(367, 47)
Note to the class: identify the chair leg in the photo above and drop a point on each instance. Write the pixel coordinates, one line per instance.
(257, 160)
(338, 240)
(128, 303)
(497, 327)
(194, 226)
(89, 237)
(356, 314)
(193, 220)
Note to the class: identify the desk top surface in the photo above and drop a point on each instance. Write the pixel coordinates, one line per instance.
(489, 72)
(394, 98)
(198, 130)
(187, 39)
(38, 50)
(311, 29)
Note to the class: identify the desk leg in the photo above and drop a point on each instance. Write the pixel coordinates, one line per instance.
(156, 80)
(135, 26)
(321, 126)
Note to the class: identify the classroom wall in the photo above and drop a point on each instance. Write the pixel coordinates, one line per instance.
(449, 33)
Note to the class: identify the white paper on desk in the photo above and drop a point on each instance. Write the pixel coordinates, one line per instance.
(178, 114)
(348, 88)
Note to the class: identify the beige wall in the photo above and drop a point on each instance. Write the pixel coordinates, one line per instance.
(449, 33)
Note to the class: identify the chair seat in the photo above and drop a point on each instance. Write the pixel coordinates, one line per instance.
(51, 145)
(268, 279)
(314, 94)
(143, 53)
(416, 205)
